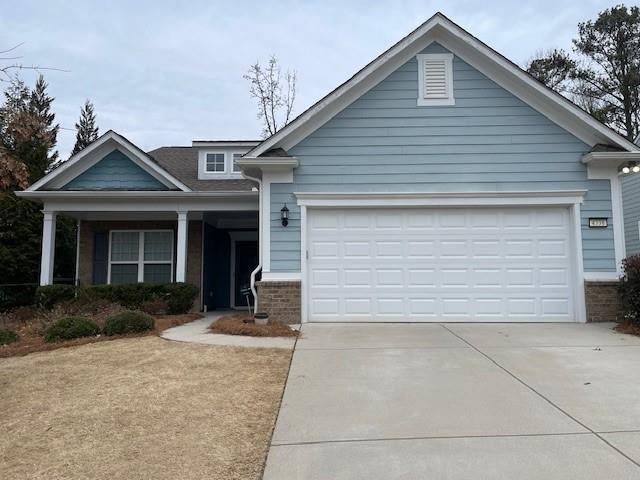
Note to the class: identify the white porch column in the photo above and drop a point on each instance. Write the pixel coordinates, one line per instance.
(181, 247)
(48, 248)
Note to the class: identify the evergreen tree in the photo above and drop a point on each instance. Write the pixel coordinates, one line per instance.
(28, 135)
(603, 74)
(86, 129)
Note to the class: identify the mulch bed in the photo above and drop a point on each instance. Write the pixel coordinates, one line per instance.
(235, 325)
(628, 328)
(31, 335)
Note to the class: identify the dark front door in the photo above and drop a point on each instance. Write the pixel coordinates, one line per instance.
(246, 261)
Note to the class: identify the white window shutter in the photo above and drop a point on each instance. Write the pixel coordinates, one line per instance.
(435, 77)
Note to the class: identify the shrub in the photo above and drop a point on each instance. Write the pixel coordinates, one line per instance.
(50, 295)
(179, 297)
(129, 321)
(155, 306)
(7, 336)
(629, 289)
(67, 328)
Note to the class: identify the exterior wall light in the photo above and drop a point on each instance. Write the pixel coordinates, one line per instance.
(632, 167)
(284, 215)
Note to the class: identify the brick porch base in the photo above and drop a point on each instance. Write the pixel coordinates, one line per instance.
(281, 300)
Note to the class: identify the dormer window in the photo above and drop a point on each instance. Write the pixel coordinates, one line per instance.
(435, 79)
(215, 163)
(220, 163)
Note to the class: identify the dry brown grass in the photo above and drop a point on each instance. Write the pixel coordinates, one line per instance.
(235, 325)
(31, 335)
(142, 408)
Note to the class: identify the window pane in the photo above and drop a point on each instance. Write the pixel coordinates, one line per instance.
(157, 273)
(157, 246)
(124, 273)
(236, 156)
(215, 162)
(124, 246)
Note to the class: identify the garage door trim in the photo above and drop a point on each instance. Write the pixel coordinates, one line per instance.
(566, 198)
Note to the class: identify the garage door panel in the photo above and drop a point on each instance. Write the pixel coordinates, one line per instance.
(483, 264)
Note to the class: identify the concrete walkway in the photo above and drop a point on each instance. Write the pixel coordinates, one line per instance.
(197, 332)
(460, 401)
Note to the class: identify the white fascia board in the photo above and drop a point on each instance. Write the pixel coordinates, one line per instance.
(610, 159)
(488, 61)
(139, 203)
(365, 199)
(73, 167)
(225, 143)
(132, 194)
(269, 164)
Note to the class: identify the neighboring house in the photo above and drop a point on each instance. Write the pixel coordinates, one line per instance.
(631, 202)
(439, 183)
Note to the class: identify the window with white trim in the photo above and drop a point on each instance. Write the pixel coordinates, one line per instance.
(140, 256)
(215, 163)
(236, 167)
(435, 79)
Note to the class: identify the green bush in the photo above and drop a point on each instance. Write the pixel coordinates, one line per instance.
(179, 297)
(7, 336)
(629, 289)
(68, 328)
(129, 321)
(50, 295)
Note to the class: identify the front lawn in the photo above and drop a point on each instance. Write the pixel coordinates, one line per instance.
(139, 408)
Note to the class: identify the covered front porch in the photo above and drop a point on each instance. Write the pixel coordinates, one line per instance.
(207, 239)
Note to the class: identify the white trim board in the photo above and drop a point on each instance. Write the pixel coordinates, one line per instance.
(281, 277)
(364, 199)
(601, 276)
(460, 42)
(95, 152)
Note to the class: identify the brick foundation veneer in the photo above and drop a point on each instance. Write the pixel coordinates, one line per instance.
(281, 300)
(602, 301)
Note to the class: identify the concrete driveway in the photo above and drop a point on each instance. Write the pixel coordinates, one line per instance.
(460, 401)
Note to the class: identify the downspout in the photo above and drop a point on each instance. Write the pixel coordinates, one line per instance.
(254, 292)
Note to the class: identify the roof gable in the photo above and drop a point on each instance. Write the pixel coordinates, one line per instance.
(486, 60)
(94, 153)
(116, 171)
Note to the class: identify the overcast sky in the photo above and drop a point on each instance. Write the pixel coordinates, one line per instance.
(166, 73)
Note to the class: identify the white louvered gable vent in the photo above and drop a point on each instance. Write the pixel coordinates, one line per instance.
(435, 79)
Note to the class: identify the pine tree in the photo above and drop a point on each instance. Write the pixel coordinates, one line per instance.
(28, 134)
(86, 129)
(42, 155)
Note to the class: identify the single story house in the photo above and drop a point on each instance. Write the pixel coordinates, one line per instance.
(631, 204)
(440, 182)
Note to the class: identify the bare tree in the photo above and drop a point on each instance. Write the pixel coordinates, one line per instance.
(10, 64)
(275, 94)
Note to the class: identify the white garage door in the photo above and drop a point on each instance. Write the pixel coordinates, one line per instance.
(430, 265)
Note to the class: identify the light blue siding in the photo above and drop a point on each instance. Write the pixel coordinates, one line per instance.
(631, 204)
(115, 171)
(488, 141)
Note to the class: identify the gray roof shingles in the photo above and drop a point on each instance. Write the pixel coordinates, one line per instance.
(182, 163)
